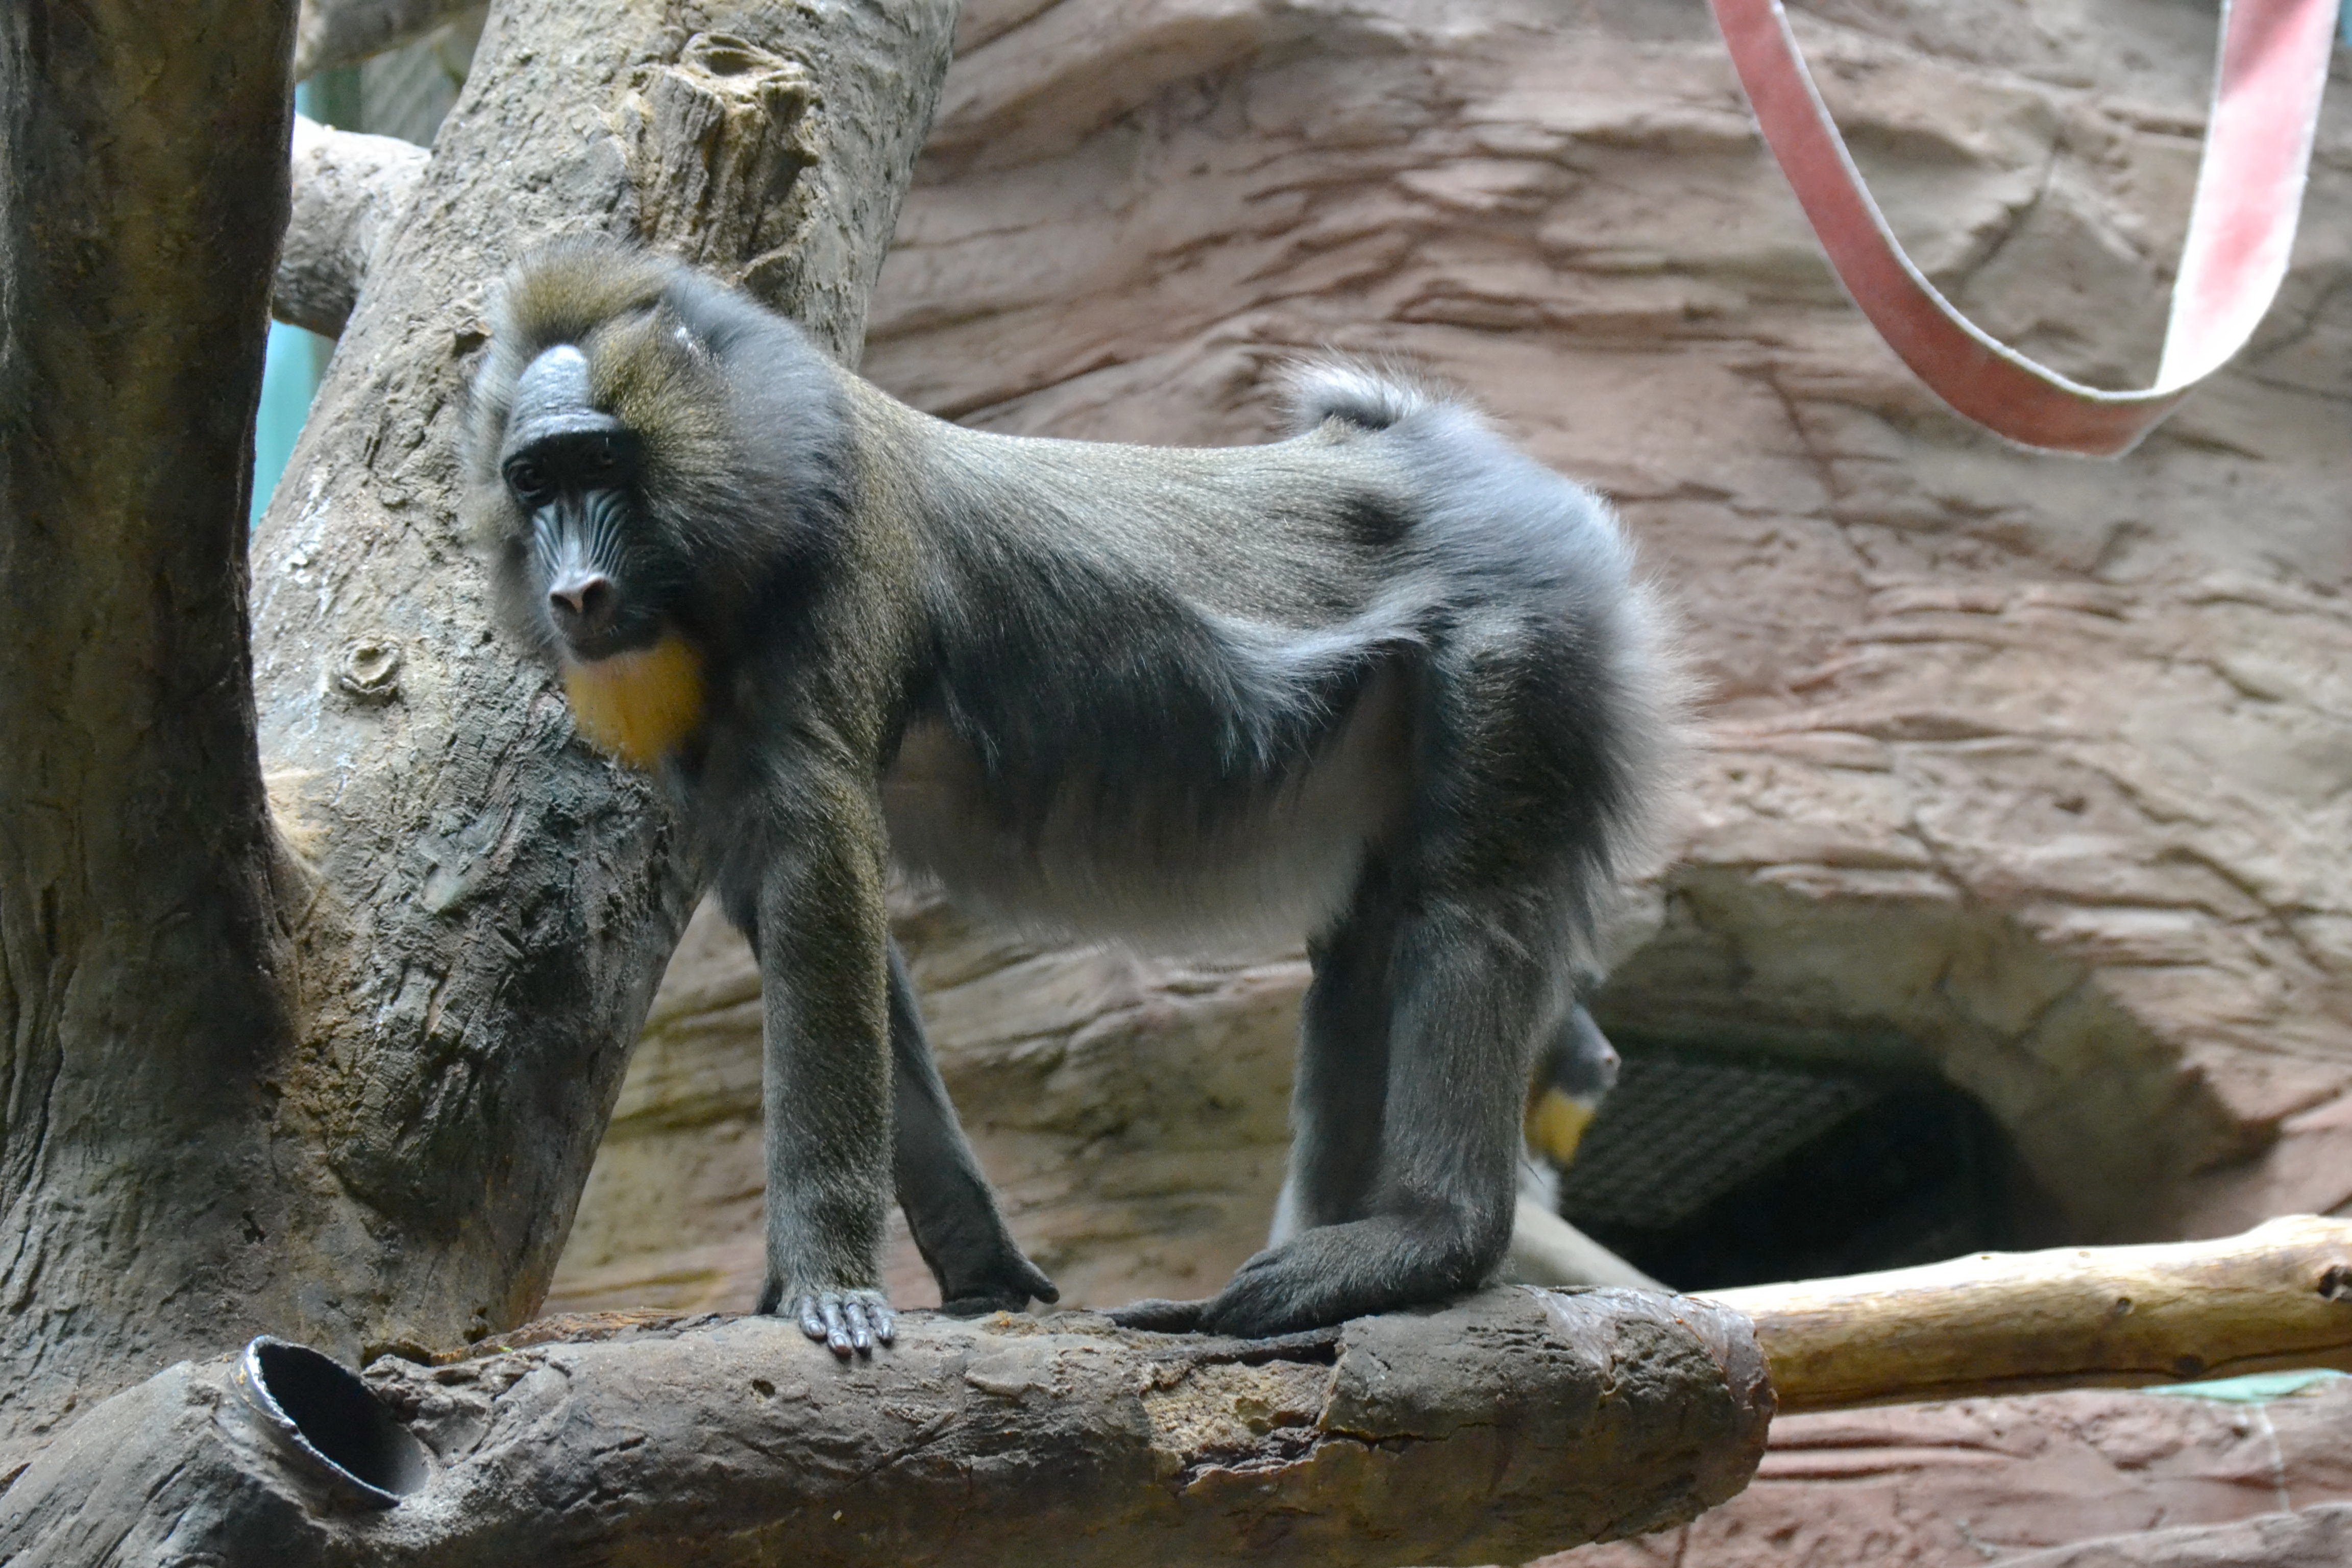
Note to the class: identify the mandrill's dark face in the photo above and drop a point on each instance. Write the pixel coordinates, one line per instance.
(573, 472)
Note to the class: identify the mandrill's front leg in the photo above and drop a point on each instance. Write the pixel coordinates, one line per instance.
(820, 930)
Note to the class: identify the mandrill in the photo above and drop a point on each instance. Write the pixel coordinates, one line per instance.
(1388, 684)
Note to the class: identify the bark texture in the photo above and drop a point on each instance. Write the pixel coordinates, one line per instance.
(1489, 1431)
(350, 191)
(146, 992)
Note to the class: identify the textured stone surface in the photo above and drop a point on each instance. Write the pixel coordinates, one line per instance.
(2028, 769)
(2317, 1538)
(2114, 1479)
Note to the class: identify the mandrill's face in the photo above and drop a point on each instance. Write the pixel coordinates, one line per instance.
(593, 563)
(572, 471)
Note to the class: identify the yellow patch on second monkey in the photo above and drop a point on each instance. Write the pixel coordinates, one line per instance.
(1556, 1124)
(638, 707)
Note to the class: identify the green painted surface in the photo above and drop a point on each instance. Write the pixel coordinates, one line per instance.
(296, 359)
(2255, 1388)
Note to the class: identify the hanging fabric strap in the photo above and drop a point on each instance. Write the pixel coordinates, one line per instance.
(2265, 112)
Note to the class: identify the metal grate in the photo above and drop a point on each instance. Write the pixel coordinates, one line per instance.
(1681, 1131)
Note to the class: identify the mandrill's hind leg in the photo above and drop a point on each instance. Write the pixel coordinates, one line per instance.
(1437, 1218)
(1412, 1081)
(947, 1203)
(1338, 1105)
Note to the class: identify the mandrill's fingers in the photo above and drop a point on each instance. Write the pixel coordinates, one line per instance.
(850, 1322)
(1160, 1317)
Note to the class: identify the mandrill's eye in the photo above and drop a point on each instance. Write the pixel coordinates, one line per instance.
(530, 483)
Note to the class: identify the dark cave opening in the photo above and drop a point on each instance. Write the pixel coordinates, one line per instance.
(1714, 1169)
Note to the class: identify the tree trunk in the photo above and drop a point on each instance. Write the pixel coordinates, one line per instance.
(1511, 1423)
(148, 1004)
(333, 33)
(495, 902)
(341, 1085)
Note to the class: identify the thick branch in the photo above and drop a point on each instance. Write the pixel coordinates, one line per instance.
(142, 1004)
(2278, 1296)
(344, 32)
(1516, 1423)
(349, 191)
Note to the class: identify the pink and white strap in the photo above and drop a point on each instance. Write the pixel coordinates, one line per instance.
(2273, 69)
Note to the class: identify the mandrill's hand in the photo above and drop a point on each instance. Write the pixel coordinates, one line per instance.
(848, 1321)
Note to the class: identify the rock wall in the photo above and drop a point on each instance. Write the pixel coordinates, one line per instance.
(2089, 1476)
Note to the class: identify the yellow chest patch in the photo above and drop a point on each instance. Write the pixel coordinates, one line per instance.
(1556, 1124)
(638, 707)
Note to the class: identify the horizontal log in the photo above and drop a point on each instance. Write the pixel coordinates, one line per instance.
(1512, 1423)
(2278, 1296)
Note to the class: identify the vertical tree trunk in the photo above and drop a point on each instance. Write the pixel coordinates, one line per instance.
(342, 1086)
(145, 995)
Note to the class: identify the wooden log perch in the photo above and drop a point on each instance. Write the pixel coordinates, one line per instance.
(1514, 1423)
(2278, 1296)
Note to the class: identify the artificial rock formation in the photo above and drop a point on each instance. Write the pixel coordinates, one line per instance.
(2024, 769)
(2088, 1479)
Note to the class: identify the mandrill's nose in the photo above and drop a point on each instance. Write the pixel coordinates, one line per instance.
(583, 603)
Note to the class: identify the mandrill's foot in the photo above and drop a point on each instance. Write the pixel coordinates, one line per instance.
(1158, 1316)
(1331, 1273)
(1008, 1286)
(849, 1321)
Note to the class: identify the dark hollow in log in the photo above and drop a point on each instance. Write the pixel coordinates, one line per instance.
(1511, 1423)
